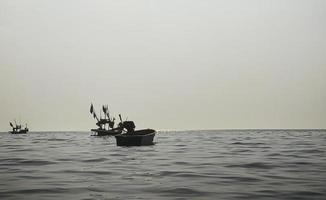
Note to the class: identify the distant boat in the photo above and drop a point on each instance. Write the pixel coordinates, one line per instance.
(104, 132)
(106, 125)
(134, 137)
(17, 129)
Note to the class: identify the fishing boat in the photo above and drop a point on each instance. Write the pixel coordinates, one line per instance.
(106, 125)
(136, 138)
(17, 129)
(132, 137)
(104, 132)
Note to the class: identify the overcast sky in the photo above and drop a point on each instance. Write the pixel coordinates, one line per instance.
(169, 64)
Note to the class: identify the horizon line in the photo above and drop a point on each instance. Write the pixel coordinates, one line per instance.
(214, 129)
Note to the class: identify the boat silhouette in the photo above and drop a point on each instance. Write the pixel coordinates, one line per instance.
(18, 129)
(124, 132)
(106, 125)
(132, 137)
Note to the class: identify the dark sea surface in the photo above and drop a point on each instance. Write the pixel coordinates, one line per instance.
(238, 164)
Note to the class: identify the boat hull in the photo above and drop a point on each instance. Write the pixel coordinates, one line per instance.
(137, 138)
(19, 132)
(102, 132)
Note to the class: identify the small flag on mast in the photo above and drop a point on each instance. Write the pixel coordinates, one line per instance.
(105, 108)
(91, 109)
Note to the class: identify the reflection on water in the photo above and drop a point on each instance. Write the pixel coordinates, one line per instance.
(182, 165)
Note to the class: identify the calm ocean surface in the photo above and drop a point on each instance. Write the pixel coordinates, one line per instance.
(250, 164)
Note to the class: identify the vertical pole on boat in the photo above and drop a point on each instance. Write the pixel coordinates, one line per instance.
(104, 124)
(120, 118)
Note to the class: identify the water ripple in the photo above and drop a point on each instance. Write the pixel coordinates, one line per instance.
(234, 164)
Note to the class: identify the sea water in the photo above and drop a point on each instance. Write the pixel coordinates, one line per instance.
(215, 164)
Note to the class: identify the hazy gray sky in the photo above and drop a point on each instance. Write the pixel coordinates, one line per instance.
(169, 64)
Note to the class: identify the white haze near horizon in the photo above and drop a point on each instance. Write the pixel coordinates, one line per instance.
(170, 64)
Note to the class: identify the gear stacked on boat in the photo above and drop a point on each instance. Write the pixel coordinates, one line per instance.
(106, 125)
